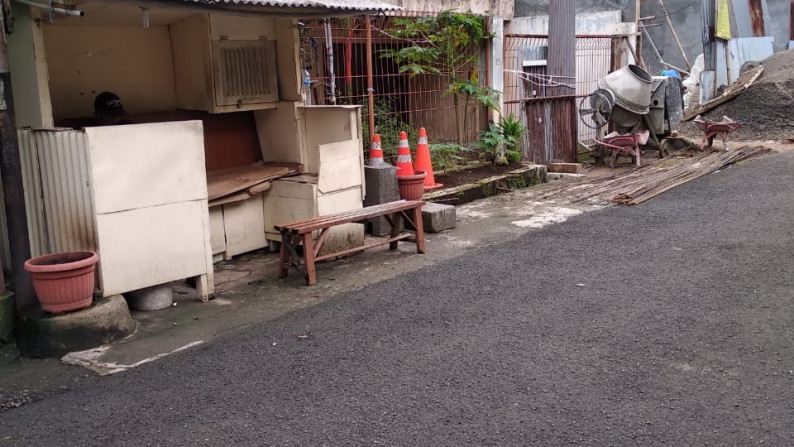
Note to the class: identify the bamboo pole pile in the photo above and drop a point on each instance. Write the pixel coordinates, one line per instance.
(648, 181)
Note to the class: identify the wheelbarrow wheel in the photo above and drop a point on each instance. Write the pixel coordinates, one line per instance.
(710, 142)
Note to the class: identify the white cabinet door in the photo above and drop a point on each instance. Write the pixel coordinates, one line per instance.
(142, 165)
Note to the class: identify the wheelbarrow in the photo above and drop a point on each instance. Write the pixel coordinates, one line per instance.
(628, 143)
(712, 129)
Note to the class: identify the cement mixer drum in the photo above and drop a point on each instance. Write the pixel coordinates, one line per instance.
(631, 86)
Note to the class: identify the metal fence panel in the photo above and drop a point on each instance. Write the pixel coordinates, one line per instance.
(402, 101)
(526, 81)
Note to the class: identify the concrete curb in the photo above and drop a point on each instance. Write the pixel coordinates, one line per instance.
(517, 179)
(45, 335)
(7, 315)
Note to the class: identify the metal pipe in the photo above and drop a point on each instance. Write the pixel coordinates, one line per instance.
(329, 53)
(13, 189)
(370, 89)
(68, 12)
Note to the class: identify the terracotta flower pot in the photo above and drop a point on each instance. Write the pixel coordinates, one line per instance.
(63, 281)
(412, 186)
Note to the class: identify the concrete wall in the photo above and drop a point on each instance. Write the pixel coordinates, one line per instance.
(525, 8)
(501, 8)
(590, 23)
(686, 19)
(687, 22)
(136, 63)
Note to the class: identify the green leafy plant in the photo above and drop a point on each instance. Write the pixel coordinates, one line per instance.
(387, 124)
(514, 131)
(445, 45)
(502, 141)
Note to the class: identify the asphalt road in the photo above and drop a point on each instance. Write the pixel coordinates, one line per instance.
(668, 323)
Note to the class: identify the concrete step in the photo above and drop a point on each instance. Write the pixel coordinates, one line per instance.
(438, 217)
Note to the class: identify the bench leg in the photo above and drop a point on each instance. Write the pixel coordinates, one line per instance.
(395, 229)
(308, 259)
(283, 257)
(420, 230)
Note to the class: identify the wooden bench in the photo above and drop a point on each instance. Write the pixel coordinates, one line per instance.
(300, 232)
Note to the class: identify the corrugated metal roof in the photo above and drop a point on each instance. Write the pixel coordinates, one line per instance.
(342, 5)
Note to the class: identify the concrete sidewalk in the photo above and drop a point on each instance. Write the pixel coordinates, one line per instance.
(249, 292)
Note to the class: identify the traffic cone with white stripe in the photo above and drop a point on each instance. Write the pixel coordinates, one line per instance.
(404, 165)
(423, 162)
(376, 153)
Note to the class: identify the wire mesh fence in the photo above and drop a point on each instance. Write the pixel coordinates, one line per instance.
(526, 81)
(402, 101)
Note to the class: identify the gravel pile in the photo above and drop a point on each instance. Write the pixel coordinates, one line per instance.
(767, 107)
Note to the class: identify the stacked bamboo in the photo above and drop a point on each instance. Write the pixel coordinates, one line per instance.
(648, 181)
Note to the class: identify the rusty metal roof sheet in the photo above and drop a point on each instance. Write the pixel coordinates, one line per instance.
(339, 5)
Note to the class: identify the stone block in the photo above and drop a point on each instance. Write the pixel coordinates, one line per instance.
(566, 168)
(437, 217)
(381, 187)
(41, 334)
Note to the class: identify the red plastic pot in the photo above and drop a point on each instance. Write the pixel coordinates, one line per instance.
(412, 187)
(63, 281)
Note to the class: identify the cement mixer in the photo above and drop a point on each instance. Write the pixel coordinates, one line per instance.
(633, 102)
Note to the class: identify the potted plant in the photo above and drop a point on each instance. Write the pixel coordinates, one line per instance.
(63, 281)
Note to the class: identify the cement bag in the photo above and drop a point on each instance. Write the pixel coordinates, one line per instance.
(692, 82)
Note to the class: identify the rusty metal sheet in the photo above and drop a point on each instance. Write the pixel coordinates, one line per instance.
(757, 18)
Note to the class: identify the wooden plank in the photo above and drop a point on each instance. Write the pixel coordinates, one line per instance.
(744, 82)
(229, 181)
(363, 247)
(256, 189)
(343, 218)
(237, 197)
(366, 213)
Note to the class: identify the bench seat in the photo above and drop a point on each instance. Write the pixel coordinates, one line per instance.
(300, 232)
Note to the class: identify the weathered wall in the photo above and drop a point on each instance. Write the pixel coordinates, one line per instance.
(541, 7)
(501, 8)
(589, 23)
(136, 63)
(687, 22)
(686, 19)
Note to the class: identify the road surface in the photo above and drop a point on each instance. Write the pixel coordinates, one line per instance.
(668, 323)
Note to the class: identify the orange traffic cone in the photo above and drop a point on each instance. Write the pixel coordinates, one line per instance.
(376, 153)
(423, 162)
(404, 165)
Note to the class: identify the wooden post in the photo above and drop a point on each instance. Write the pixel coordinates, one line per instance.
(638, 42)
(11, 168)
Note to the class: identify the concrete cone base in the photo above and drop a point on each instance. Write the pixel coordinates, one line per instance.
(45, 335)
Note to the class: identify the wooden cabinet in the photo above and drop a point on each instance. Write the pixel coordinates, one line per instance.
(225, 63)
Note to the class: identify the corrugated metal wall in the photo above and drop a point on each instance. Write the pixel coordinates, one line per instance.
(57, 193)
(65, 184)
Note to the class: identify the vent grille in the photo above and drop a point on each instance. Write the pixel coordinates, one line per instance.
(245, 72)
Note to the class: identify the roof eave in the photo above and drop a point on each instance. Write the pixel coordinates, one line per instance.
(296, 12)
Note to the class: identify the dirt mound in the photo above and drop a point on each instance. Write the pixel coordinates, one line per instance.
(767, 107)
